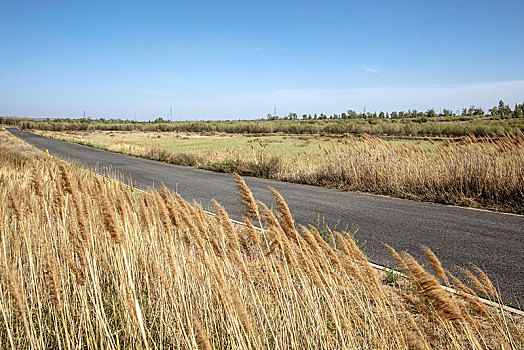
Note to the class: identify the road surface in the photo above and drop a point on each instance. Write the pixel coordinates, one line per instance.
(493, 241)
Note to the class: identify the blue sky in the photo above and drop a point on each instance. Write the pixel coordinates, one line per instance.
(240, 59)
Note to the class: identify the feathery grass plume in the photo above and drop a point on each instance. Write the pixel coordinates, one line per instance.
(52, 280)
(241, 310)
(170, 204)
(185, 213)
(397, 258)
(109, 220)
(199, 221)
(201, 336)
(415, 342)
(13, 286)
(310, 240)
(80, 214)
(372, 279)
(226, 224)
(486, 281)
(130, 201)
(162, 210)
(457, 284)
(80, 184)
(251, 232)
(120, 208)
(144, 214)
(58, 198)
(474, 281)
(36, 182)
(432, 290)
(77, 272)
(287, 222)
(435, 264)
(66, 181)
(15, 206)
(246, 198)
(326, 248)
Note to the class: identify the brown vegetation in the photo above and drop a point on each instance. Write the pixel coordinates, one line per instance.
(89, 263)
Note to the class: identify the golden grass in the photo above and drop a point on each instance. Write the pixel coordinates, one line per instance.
(88, 263)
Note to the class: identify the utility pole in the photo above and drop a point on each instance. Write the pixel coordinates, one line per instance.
(170, 113)
(275, 112)
(84, 114)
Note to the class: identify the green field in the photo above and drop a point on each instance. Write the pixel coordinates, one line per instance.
(217, 145)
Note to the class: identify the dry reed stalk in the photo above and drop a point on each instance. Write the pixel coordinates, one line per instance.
(201, 336)
(162, 210)
(109, 220)
(52, 280)
(432, 290)
(474, 281)
(486, 282)
(251, 232)
(36, 182)
(226, 224)
(310, 240)
(14, 288)
(170, 204)
(435, 264)
(400, 262)
(15, 207)
(286, 219)
(66, 181)
(81, 215)
(247, 199)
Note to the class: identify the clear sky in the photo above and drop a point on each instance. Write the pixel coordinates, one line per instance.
(240, 59)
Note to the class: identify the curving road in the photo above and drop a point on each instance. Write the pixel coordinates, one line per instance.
(493, 241)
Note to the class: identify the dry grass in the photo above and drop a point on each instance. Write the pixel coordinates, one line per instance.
(88, 263)
(477, 172)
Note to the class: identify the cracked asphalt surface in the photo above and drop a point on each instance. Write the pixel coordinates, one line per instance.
(493, 241)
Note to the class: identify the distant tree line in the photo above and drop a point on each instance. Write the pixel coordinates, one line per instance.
(502, 110)
(499, 120)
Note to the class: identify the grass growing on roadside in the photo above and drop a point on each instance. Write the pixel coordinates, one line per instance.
(472, 171)
(89, 263)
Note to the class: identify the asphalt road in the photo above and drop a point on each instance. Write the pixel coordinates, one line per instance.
(492, 241)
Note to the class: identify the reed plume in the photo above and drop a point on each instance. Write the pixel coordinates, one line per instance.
(435, 264)
(432, 290)
(247, 199)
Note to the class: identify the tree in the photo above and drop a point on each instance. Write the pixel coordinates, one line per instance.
(431, 113)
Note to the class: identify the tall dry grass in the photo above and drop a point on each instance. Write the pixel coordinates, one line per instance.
(480, 172)
(89, 263)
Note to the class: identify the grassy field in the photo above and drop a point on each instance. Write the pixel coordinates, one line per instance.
(485, 172)
(90, 263)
